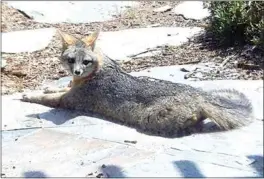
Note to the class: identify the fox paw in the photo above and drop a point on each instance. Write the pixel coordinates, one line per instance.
(29, 97)
(25, 98)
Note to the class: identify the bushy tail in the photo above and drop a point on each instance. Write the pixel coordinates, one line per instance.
(227, 108)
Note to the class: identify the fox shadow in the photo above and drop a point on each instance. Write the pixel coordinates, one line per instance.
(188, 169)
(61, 116)
(112, 171)
(108, 171)
(34, 174)
(257, 165)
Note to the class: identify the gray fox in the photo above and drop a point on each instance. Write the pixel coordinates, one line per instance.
(155, 106)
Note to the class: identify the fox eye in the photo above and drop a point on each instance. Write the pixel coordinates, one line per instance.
(86, 62)
(71, 60)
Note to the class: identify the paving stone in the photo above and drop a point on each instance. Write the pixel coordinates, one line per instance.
(3, 62)
(180, 166)
(70, 11)
(192, 10)
(60, 154)
(27, 40)
(12, 136)
(30, 115)
(131, 42)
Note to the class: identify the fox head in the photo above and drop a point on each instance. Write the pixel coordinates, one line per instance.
(78, 56)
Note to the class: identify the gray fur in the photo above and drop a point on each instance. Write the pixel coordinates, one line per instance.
(157, 106)
(79, 53)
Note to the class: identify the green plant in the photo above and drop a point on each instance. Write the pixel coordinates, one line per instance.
(255, 31)
(237, 22)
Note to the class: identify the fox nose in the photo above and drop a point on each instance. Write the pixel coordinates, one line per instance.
(77, 72)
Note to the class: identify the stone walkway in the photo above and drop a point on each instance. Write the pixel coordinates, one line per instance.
(35, 135)
(38, 141)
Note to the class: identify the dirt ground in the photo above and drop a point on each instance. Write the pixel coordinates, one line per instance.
(30, 70)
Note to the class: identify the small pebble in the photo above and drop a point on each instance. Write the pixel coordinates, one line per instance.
(184, 70)
(132, 142)
(99, 175)
(3, 175)
(103, 166)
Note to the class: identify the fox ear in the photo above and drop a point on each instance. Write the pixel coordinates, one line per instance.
(91, 39)
(67, 39)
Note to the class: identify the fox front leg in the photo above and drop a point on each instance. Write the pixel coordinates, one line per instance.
(50, 100)
(56, 90)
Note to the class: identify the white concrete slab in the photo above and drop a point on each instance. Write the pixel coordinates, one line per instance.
(80, 154)
(192, 10)
(3, 62)
(180, 165)
(60, 154)
(27, 40)
(171, 73)
(29, 116)
(121, 44)
(71, 11)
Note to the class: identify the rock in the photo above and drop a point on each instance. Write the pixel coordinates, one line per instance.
(184, 70)
(71, 12)
(2, 175)
(103, 166)
(134, 41)
(89, 174)
(27, 40)
(100, 175)
(3, 62)
(192, 10)
(163, 9)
